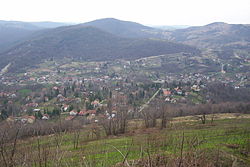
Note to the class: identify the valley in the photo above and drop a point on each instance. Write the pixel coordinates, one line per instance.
(117, 93)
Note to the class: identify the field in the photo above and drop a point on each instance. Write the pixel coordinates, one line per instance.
(225, 142)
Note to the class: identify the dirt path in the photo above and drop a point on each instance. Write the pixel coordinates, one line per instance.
(146, 104)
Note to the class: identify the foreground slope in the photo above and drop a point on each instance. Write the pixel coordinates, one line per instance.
(223, 143)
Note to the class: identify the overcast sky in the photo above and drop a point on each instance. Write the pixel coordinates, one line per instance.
(149, 12)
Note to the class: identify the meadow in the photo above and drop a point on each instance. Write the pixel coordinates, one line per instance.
(185, 142)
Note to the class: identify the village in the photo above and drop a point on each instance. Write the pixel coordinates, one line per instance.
(83, 90)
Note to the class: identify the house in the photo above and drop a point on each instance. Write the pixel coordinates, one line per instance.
(28, 98)
(2, 94)
(96, 103)
(90, 114)
(65, 107)
(32, 105)
(179, 92)
(168, 99)
(73, 113)
(166, 92)
(91, 117)
(31, 119)
(32, 79)
(28, 119)
(195, 88)
(10, 102)
(46, 99)
(24, 120)
(236, 87)
(13, 95)
(45, 117)
(60, 98)
(55, 88)
(173, 101)
(82, 113)
(91, 111)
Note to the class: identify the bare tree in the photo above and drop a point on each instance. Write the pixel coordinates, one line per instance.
(76, 139)
(149, 116)
(165, 114)
(204, 109)
(8, 144)
(116, 123)
(95, 130)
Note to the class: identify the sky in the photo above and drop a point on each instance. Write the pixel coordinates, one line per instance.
(147, 12)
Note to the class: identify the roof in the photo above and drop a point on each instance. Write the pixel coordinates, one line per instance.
(46, 115)
(29, 117)
(95, 102)
(91, 111)
(73, 111)
(82, 112)
(166, 92)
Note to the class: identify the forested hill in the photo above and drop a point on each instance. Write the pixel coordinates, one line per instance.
(85, 43)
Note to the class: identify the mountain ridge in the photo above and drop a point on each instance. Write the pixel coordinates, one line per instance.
(213, 35)
(122, 28)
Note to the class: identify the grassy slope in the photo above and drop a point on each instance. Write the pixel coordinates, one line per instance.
(210, 138)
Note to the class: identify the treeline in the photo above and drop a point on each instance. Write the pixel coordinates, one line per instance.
(117, 123)
(220, 92)
(9, 130)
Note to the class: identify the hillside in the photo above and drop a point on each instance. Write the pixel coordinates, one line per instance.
(12, 32)
(85, 43)
(213, 35)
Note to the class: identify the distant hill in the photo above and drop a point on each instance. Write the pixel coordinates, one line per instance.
(125, 29)
(31, 25)
(170, 27)
(85, 43)
(49, 24)
(13, 32)
(18, 24)
(213, 35)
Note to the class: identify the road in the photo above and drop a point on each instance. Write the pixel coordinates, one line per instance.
(147, 103)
